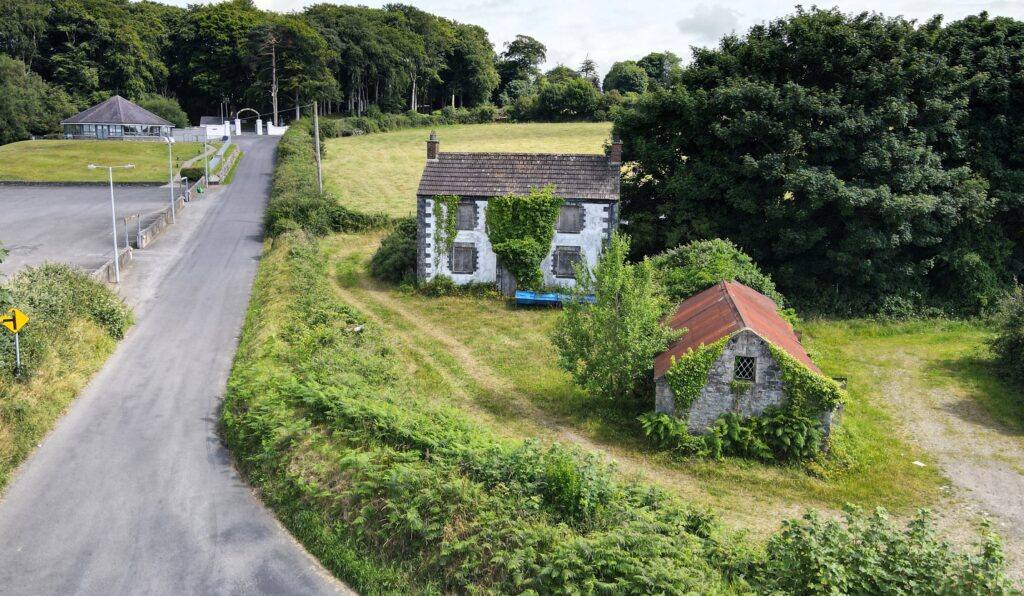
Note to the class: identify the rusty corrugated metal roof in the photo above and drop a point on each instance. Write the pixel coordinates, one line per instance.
(722, 310)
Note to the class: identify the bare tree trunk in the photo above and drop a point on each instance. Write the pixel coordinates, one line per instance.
(298, 113)
(273, 83)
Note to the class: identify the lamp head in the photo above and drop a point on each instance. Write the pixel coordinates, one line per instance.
(92, 166)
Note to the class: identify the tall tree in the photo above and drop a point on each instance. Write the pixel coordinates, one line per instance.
(663, 68)
(626, 77)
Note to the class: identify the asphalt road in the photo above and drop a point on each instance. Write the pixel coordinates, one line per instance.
(70, 224)
(133, 491)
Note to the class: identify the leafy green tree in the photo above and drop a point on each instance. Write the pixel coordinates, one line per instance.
(567, 100)
(28, 104)
(470, 75)
(561, 74)
(608, 347)
(22, 27)
(165, 107)
(663, 68)
(818, 144)
(626, 77)
(588, 70)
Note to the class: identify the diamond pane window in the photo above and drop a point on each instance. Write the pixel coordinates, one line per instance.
(746, 369)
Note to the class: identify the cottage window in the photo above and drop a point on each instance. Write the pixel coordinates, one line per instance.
(570, 219)
(466, 219)
(463, 258)
(565, 258)
(746, 369)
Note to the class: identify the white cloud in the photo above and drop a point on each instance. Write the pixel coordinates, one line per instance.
(709, 23)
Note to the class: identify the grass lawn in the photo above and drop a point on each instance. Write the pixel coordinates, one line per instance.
(66, 161)
(381, 171)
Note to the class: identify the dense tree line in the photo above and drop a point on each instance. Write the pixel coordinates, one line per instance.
(871, 164)
(233, 55)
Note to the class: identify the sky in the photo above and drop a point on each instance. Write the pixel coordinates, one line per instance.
(610, 31)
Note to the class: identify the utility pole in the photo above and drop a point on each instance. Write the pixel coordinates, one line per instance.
(316, 143)
(273, 75)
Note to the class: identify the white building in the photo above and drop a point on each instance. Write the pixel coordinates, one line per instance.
(589, 184)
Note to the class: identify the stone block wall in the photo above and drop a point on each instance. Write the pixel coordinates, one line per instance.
(717, 398)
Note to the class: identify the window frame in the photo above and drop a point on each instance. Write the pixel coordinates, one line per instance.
(472, 260)
(556, 259)
(752, 360)
(475, 215)
(580, 219)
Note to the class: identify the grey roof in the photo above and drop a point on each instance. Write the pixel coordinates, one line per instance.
(575, 176)
(210, 120)
(117, 110)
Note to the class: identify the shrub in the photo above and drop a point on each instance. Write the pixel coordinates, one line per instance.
(868, 554)
(691, 268)
(1008, 343)
(609, 347)
(193, 173)
(395, 259)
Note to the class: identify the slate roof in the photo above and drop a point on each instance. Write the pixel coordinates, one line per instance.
(720, 311)
(210, 120)
(575, 176)
(116, 110)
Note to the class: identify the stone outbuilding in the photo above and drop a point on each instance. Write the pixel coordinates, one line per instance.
(749, 324)
(588, 183)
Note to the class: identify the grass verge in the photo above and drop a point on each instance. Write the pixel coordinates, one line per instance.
(234, 166)
(66, 161)
(74, 324)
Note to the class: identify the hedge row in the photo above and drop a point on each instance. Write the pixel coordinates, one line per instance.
(295, 200)
(395, 493)
(376, 121)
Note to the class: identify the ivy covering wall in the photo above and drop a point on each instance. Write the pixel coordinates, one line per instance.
(446, 213)
(689, 373)
(521, 228)
(790, 431)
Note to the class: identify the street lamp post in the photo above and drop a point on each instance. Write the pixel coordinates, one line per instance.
(170, 172)
(206, 163)
(113, 213)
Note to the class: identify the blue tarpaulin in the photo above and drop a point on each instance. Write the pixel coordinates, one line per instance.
(526, 298)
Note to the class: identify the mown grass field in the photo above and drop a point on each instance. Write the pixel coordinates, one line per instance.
(67, 161)
(381, 171)
(498, 361)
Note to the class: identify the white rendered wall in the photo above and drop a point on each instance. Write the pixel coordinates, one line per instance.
(590, 240)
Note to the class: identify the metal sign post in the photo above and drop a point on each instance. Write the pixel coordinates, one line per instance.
(14, 320)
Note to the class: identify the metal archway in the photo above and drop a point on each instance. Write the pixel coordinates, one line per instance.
(238, 114)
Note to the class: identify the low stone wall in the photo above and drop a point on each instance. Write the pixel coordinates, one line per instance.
(225, 168)
(147, 235)
(107, 273)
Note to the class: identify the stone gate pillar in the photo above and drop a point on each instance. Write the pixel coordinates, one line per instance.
(259, 126)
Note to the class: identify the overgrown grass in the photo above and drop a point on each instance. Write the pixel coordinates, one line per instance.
(380, 172)
(74, 324)
(395, 492)
(66, 161)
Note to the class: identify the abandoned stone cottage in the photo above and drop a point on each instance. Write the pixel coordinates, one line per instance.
(750, 324)
(589, 185)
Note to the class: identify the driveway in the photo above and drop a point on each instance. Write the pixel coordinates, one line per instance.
(133, 492)
(70, 224)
